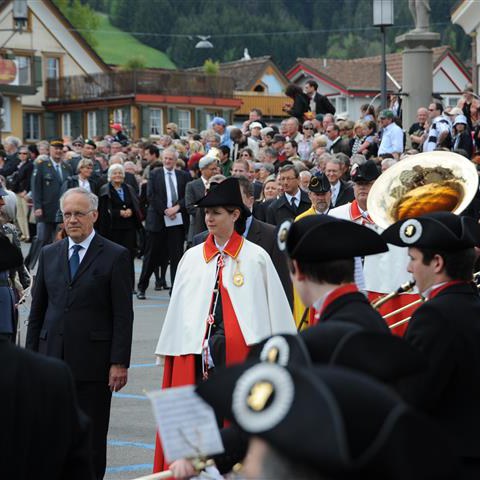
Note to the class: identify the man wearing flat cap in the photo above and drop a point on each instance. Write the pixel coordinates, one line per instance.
(48, 177)
(446, 328)
(321, 259)
(196, 190)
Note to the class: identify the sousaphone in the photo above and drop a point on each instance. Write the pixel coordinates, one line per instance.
(423, 183)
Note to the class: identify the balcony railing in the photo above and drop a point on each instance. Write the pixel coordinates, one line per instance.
(118, 84)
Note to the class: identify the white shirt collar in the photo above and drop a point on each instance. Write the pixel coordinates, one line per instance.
(317, 305)
(85, 244)
(429, 290)
(297, 196)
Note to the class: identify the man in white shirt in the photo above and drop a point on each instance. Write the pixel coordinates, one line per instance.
(440, 127)
(392, 135)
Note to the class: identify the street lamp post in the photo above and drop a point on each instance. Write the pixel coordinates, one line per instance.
(383, 17)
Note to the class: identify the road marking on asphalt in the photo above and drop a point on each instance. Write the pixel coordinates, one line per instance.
(130, 468)
(141, 365)
(119, 443)
(130, 395)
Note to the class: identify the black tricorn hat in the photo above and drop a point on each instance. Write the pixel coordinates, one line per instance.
(319, 183)
(366, 172)
(442, 230)
(320, 238)
(225, 194)
(10, 255)
(385, 357)
(340, 423)
(283, 349)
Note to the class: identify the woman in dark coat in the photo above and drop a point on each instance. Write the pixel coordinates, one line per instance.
(301, 103)
(119, 215)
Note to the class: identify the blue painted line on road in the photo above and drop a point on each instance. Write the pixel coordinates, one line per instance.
(130, 468)
(119, 443)
(130, 395)
(141, 365)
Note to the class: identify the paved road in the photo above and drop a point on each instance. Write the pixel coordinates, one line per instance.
(131, 436)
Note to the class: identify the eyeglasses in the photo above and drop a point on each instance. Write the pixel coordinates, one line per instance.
(23, 153)
(78, 215)
(308, 128)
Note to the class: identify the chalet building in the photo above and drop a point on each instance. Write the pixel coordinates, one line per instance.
(54, 84)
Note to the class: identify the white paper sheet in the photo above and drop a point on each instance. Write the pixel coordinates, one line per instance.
(187, 424)
(173, 223)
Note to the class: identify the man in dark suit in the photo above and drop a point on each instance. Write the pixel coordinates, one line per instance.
(82, 312)
(11, 144)
(196, 190)
(318, 103)
(292, 202)
(338, 144)
(446, 327)
(341, 191)
(262, 234)
(43, 434)
(167, 219)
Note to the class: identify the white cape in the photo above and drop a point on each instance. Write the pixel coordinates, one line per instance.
(260, 304)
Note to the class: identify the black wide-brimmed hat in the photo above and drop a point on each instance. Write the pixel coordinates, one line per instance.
(366, 172)
(442, 230)
(320, 238)
(225, 194)
(385, 357)
(319, 183)
(335, 421)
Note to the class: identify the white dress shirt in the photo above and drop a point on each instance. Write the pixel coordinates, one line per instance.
(85, 244)
(297, 197)
(392, 140)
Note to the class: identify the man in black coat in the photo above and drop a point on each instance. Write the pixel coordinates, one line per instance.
(43, 434)
(292, 202)
(318, 103)
(11, 144)
(342, 192)
(446, 327)
(167, 219)
(321, 251)
(82, 312)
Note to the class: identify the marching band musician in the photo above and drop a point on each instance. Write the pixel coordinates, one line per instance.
(382, 273)
(321, 260)
(227, 296)
(446, 328)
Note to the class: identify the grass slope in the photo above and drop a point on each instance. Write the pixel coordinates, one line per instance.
(116, 47)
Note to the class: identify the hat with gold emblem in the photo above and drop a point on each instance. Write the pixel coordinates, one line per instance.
(442, 230)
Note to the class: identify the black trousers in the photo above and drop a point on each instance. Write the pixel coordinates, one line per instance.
(159, 247)
(94, 399)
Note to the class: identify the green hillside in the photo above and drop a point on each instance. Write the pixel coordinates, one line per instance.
(117, 47)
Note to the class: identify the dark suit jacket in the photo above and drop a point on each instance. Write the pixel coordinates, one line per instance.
(322, 104)
(87, 321)
(194, 191)
(72, 182)
(11, 164)
(281, 210)
(265, 235)
(341, 146)
(43, 434)
(157, 198)
(447, 330)
(22, 183)
(345, 195)
(355, 308)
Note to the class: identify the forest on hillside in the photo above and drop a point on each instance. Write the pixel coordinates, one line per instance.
(285, 29)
